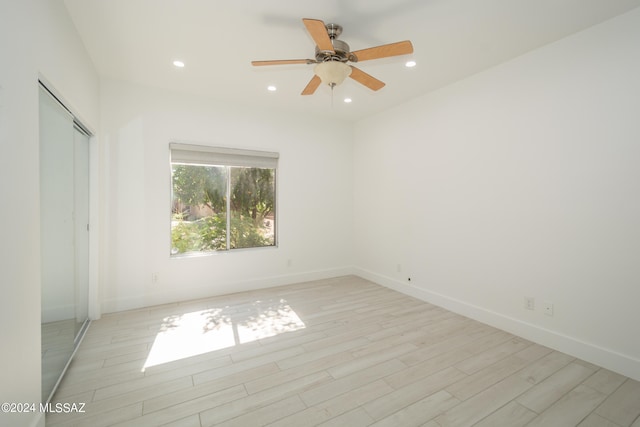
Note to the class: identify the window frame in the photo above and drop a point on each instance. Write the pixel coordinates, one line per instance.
(189, 154)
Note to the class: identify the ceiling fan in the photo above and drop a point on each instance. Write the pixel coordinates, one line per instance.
(332, 56)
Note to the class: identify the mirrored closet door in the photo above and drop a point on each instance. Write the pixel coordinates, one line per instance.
(64, 237)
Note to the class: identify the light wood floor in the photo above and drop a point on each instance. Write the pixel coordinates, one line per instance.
(339, 352)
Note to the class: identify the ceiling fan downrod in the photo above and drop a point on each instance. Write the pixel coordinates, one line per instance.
(334, 30)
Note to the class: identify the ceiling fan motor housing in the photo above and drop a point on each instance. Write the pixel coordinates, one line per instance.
(341, 52)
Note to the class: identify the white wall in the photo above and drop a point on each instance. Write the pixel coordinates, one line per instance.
(36, 36)
(519, 181)
(314, 197)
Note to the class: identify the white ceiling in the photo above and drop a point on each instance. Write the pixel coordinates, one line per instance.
(137, 40)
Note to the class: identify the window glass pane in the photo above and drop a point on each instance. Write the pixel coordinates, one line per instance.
(252, 207)
(198, 209)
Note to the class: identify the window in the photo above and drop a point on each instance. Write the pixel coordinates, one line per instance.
(221, 198)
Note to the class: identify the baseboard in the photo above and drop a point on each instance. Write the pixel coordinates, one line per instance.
(589, 352)
(205, 291)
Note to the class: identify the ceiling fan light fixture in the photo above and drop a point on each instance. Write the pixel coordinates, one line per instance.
(332, 73)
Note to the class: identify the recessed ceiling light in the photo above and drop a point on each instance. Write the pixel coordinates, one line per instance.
(271, 88)
(347, 100)
(178, 64)
(410, 64)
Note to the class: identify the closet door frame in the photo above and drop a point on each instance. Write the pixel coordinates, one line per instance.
(84, 233)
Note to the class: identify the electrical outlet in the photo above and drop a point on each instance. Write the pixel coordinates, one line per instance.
(154, 277)
(547, 308)
(529, 303)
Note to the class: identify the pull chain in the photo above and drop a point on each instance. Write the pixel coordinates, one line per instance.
(332, 85)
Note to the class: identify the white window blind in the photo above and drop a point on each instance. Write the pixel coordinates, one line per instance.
(191, 154)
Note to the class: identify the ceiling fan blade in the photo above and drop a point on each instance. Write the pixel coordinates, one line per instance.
(282, 62)
(319, 33)
(365, 79)
(384, 51)
(312, 85)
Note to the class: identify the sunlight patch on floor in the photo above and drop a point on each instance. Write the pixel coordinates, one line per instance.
(271, 322)
(190, 334)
